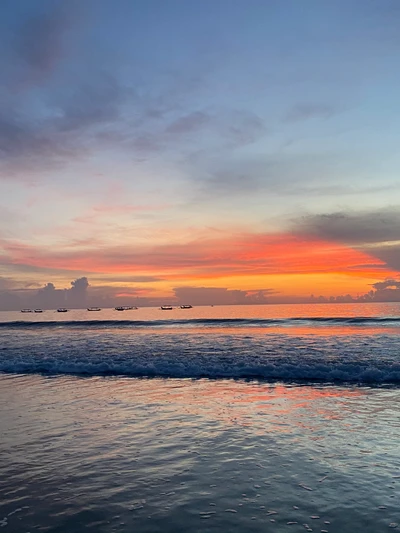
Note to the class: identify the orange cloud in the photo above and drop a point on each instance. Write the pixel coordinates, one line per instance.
(239, 256)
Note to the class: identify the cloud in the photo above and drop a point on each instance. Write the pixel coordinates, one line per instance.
(218, 130)
(79, 295)
(353, 227)
(127, 279)
(220, 296)
(86, 106)
(69, 131)
(307, 111)
(94, 104)
(50, 297)
(388, 253)
(25, 145)
(281, 174)
(226, 255)
(76, 296)
(375, 233)
(40, 39)
(7, 284)
(383, 291)
(188, 123)
(33, 42)
(387, 284)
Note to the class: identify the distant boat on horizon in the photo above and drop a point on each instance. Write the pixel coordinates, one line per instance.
(186, 306)
(166, 307)
(62, 310)
(38, 311)
(26, 311)
(93, 309)
(119, 308)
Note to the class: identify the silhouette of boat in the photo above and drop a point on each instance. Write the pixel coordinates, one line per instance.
(26, 311)
(38, 311)
(119, 308)
(186, 306)
(166, 307)
(93, 309)
(62, 310)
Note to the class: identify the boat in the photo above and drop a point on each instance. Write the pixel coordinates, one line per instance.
(130, 307)
(62, 310)
(119, 308)
(26, 310)
(166, 307)
(93, 309)
(186, 306)
(38, 311)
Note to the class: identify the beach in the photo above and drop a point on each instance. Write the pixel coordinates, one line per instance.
(86, 446)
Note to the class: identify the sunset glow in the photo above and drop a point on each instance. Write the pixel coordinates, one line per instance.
(177, 161)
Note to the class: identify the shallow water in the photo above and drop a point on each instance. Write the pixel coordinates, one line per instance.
(175, 455)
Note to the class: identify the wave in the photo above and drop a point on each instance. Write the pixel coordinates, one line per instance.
(321, 372)
(372, 359)
(203, 322)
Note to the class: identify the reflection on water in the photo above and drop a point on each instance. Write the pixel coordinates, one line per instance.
(151, 456)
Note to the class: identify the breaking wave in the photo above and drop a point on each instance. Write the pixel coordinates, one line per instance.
(365, 359)
(204, 322)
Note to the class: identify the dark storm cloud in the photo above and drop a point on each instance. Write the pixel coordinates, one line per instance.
(352, 227)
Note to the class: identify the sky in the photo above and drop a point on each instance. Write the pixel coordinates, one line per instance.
(203, 152)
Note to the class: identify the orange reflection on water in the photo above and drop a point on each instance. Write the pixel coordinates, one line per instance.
(263, 407)
(248, 331)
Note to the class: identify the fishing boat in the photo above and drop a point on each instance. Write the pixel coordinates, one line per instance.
(62, 310)
(119, 308)
(38, 311)
(166, 307)
(93, 309)
(186, 306)
(26, 310)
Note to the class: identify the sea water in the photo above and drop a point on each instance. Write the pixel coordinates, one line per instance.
(242, 419)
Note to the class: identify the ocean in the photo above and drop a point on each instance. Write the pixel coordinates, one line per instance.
(211, 419)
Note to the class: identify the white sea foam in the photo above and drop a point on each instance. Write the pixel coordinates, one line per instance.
(192, 354)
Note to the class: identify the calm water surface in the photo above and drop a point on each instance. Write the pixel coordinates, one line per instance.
(155, 455)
